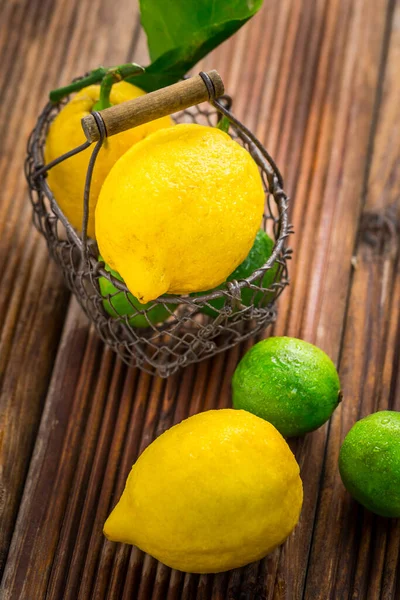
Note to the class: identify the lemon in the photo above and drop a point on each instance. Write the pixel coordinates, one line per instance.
(67, 180)
(292, 384)
(217, 491)
(121, 304)
(369, 462)
(179, 211)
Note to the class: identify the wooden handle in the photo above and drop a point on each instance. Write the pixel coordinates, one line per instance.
(152, 106)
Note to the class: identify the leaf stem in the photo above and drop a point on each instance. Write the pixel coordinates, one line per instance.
(112, 76)
(93, 77)
(107, 76)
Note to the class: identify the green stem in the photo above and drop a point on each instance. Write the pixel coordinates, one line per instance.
(113, 76)
(94, 76)
(107, 76)
(105, 91)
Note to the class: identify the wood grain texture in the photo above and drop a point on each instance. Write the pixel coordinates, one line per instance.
(34, 300)
(318, 82)
(369, 368)
(154, 105)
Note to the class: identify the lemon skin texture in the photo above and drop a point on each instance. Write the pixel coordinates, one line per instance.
(217, 491)
(257, 257)
(292, 384)
(369, 462)
(119, 306)
(67, 180)
(179, 211)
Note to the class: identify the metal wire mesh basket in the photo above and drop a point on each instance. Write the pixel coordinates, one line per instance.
(188, 335)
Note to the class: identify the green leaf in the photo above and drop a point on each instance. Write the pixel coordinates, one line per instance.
(181, 32)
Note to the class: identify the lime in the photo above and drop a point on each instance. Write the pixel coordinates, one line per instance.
(121, 304)
(257, 257)
(290, 383)
(369, 462)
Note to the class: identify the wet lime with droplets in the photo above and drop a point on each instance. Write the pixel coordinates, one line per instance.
(290, 383)
(369, 462)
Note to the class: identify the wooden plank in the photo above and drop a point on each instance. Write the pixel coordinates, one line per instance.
(326, 213)
(368, 555)
(34, 299)
(65, 395)
(25, 381)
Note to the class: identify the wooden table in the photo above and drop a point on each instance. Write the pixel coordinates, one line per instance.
(318, 80)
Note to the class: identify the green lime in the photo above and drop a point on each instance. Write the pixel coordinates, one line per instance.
(119, 304)
(288, 382)
(369, 462)
(257, 257)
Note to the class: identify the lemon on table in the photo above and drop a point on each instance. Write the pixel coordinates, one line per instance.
(369, 462)
(179, 211)
(292, 384)
(67, 180)
(217, 491)
(257, 257)
(119, 304)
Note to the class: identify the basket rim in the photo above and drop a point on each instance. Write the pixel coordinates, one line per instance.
(225, 289)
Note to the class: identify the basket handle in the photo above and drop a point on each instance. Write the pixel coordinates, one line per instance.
(154, 105)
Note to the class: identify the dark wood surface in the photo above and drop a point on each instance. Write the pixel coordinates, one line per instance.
(318, 81)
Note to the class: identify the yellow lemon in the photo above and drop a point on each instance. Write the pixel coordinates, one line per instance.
(213, 493)
(67, 180)
(179, 211)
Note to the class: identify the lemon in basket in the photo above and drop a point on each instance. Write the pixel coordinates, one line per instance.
(67, 180)
(217, 491)
(179, 211)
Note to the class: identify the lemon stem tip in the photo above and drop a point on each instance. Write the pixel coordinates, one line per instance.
(114, 75)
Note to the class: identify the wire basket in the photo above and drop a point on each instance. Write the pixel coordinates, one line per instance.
(188, 335)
